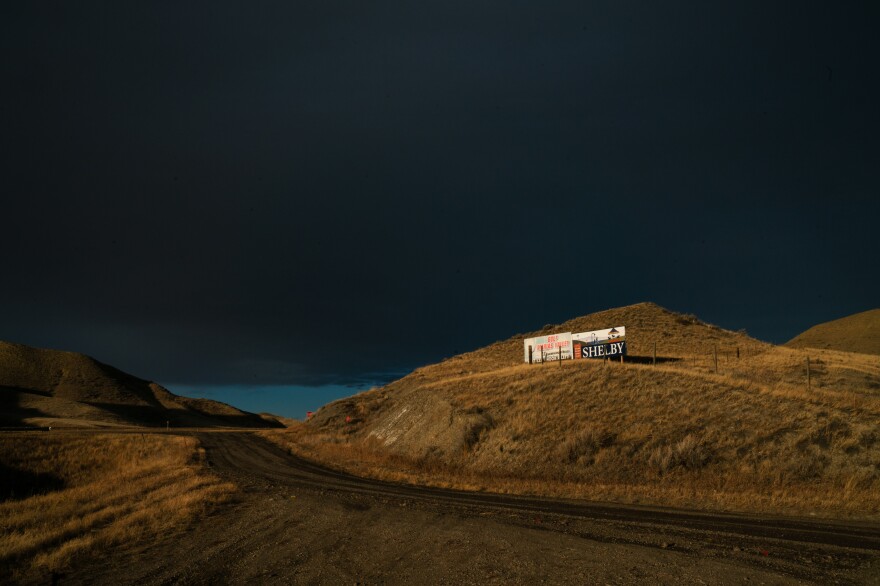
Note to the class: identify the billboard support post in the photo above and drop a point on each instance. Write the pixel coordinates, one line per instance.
(551, 347)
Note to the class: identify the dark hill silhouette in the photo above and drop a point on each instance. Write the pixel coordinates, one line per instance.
(52, 387)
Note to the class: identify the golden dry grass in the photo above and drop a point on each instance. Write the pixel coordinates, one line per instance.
(855, 333)
(117, 489)
(750, 437)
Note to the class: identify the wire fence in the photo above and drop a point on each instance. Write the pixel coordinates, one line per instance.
(735, 359)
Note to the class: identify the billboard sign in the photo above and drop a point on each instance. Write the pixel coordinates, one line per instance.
(599, 343)
(547, 348)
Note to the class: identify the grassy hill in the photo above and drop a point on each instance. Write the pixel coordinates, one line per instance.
(51, 387)
(859, 332)
(748, 434)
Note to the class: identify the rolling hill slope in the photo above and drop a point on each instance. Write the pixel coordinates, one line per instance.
(751, 435)
(859, 332)
(51, 387)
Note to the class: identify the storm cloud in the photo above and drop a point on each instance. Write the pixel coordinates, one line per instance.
(328, 192)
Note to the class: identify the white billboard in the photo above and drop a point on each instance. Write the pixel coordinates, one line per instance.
(547, 348)
(599, 343)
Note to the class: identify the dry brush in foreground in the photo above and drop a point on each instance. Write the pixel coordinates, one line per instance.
(77, 494)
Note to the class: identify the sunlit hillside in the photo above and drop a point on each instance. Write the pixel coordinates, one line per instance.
(859, 332)
(721, 421)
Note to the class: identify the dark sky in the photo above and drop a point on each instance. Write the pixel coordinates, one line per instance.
(271, 193)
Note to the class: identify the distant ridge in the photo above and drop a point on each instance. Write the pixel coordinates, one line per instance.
(53, 387)
(859, 332)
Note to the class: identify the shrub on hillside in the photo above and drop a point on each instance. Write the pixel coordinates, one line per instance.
(807, 465)
(583, 447)
(688, 453)
(688, 319)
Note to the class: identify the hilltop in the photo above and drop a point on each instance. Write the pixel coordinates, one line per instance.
(859, 332)
(52, 387)
(741, 431)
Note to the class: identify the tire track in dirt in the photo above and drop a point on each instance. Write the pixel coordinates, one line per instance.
(297, 522)
(253, 456)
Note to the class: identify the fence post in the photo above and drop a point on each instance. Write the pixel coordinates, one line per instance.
(715, 357)
(654, 358)
(737, 352)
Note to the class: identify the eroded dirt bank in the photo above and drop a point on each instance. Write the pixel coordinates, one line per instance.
(301, 524)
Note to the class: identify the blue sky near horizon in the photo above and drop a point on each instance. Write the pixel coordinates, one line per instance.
(285, 400)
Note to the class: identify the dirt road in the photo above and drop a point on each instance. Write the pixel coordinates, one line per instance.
(299, 523)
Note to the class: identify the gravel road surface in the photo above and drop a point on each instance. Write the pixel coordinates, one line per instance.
(299, 523)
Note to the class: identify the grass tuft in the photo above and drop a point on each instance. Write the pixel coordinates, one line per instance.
(115, 488)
